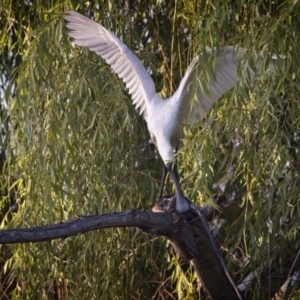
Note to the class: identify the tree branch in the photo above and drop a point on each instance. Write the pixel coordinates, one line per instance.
(188, 233)
(84, 224)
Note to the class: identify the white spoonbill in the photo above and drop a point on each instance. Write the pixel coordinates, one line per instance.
(164, 117)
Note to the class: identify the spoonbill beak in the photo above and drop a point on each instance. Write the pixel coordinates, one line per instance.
(182, 204)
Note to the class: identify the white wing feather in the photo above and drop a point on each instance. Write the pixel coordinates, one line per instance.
(224, 77)
(87, 33)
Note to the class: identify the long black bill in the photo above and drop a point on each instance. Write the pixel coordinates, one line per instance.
(182, 204)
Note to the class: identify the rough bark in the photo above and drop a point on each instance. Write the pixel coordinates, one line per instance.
(82, 224)
(188, 233)
(192, 240)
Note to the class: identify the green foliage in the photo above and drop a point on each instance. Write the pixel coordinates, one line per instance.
(74, 145)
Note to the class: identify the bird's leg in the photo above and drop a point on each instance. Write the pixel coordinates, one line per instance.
(163, 181)
(164, 176)
(182, 204)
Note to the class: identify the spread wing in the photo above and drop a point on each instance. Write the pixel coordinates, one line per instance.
(87, 33)
(223, 78)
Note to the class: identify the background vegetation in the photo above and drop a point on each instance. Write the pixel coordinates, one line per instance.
(72, 144)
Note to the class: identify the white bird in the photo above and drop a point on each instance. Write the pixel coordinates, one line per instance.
(164, 118)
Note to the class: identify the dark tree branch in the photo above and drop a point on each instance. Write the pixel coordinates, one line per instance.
(146, 220)
(188, 233)
(84, 224)
(192, 240)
